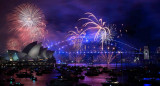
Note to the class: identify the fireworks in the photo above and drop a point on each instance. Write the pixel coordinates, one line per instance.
(78, 58)
(13, 44)
(103, 33)
(118, 32)
(77, 37)
(28, 21)
(109, 58)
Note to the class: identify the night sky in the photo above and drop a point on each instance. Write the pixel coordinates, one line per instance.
(140, 17)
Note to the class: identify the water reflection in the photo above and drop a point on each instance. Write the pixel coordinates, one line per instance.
(45, 78)
(147, 85)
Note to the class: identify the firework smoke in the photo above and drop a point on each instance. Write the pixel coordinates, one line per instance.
(28, 22)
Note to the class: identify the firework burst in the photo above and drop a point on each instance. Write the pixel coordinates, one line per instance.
(28, 21)
(77, 37)
(103, 32)
(13, 44)
(109, 57)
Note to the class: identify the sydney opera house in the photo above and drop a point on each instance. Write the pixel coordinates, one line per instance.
(33, 52)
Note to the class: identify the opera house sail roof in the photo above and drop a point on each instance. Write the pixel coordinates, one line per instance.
(32, 52)
(29, 47)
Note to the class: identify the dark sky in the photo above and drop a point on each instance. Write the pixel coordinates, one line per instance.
(140, 17)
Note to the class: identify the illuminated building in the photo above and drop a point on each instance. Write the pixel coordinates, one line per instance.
(146, 52)
(32, 52)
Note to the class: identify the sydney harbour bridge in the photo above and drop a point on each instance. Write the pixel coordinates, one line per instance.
(90, 52)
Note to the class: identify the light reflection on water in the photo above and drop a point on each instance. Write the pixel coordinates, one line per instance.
(95, 80)
(45, 78)
(147, 85)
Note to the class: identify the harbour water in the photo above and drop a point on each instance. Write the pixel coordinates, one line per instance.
(45, 78)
